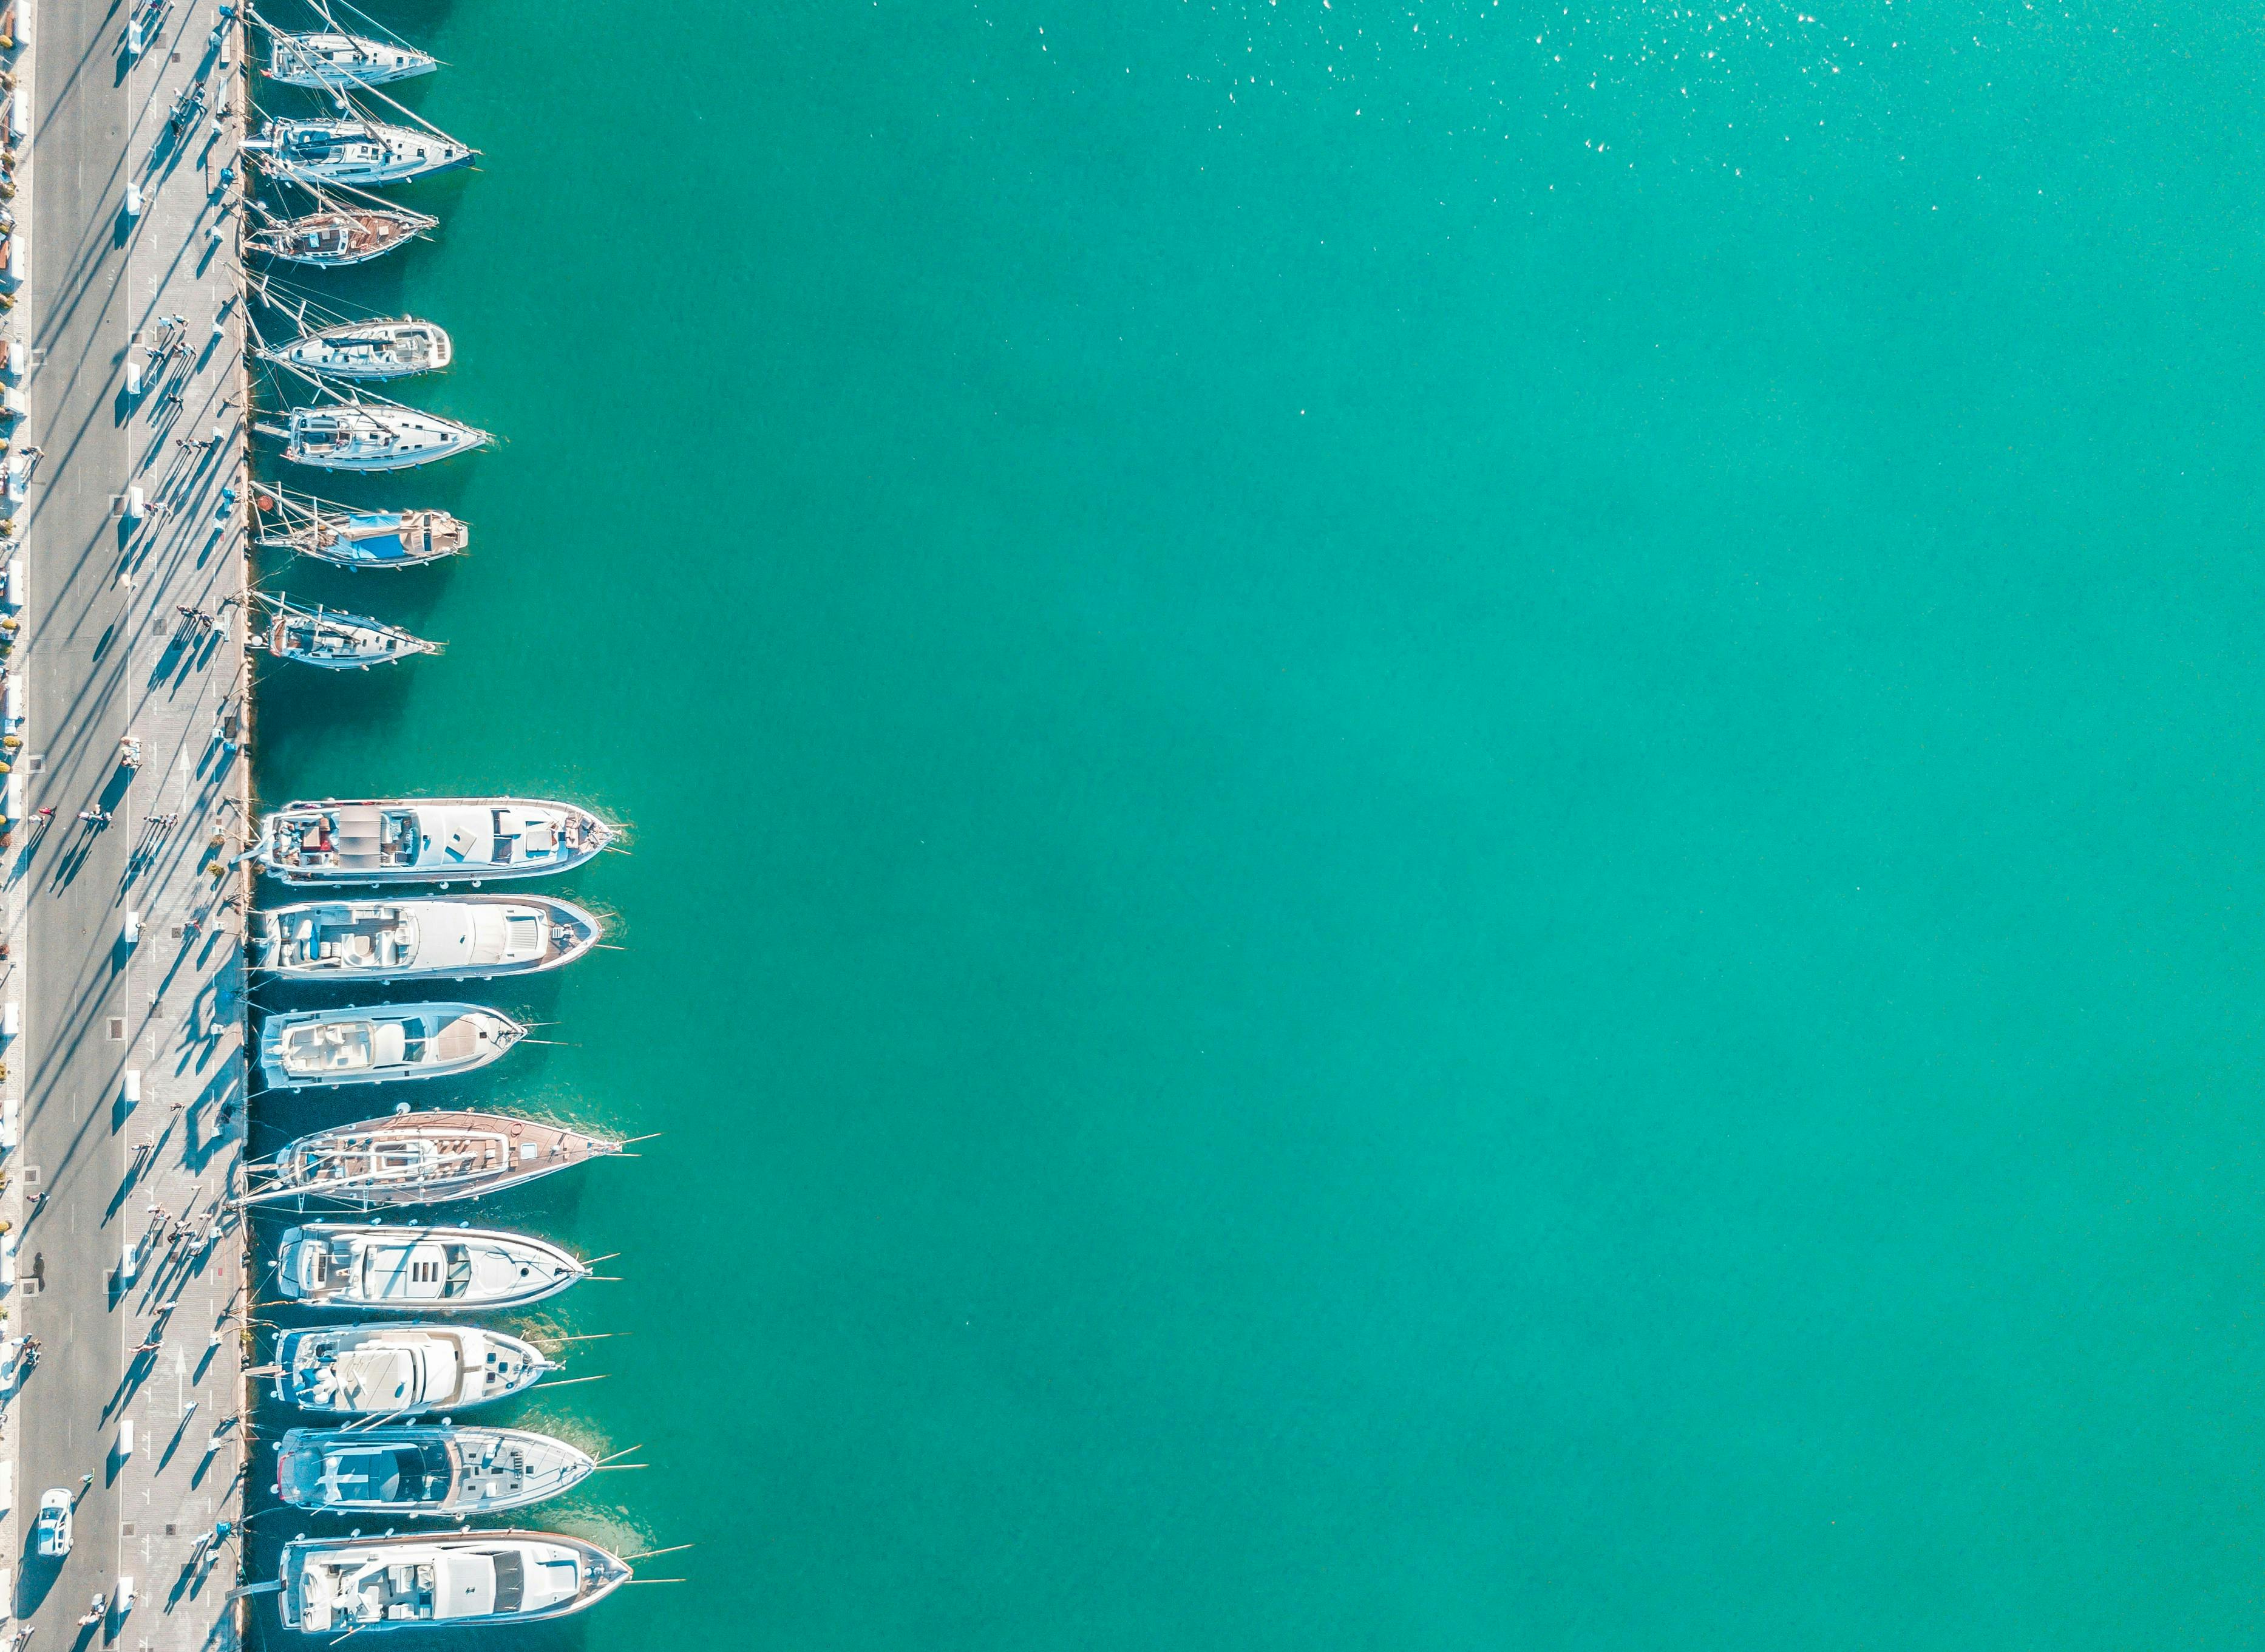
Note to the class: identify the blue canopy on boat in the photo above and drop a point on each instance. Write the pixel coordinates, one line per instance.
(376, 534)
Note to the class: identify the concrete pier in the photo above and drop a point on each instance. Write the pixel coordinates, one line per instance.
(125, 1087)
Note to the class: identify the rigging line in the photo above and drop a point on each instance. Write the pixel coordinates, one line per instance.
(363, 85)
(310, 302)
(373, 23)
(328, 193)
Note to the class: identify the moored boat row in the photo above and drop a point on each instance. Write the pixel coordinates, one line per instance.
(385, 907)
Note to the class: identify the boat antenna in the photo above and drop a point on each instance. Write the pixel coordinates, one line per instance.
(609, 1456)
(648, 1555)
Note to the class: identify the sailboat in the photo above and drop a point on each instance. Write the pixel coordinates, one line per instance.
(384, 349)
(427, 1158)
(331, 62)
(351, 150)
(339, 236)
(357, 539)
(335, 640)
(365, 436)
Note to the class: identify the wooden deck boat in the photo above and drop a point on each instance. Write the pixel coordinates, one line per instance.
(338, 237)
(424, 1157)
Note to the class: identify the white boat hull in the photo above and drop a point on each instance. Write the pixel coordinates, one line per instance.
(468, 937)
(363, 154)
(373, 439)
(437, 841)
(390, 1044)
(339, 642)
(342, 62)
(393, 1368)
(433, 1472)
(418, 1269)
(373, 351)
(342, 1586)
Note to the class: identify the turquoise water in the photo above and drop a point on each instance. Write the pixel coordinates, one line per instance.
(1446, 830)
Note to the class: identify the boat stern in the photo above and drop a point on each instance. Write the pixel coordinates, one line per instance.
(302, 1265)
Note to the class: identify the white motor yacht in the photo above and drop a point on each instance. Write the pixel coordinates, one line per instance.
(453, 1270)
(457, 937)
(381, 1044)
(394, 1370)
(438, 1470)
(427, 840)
(337, 1586)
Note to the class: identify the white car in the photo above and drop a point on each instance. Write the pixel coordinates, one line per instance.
(52, 1532)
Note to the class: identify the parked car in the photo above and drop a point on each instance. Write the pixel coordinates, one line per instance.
(52, 1532)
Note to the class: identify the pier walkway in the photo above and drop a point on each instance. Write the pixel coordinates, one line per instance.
(126, 1084)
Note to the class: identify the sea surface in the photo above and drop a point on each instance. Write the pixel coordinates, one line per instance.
(1445, 817)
